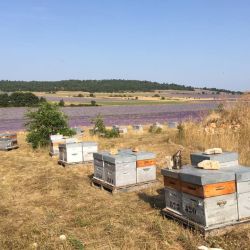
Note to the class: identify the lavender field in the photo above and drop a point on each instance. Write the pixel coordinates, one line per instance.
(13, 119)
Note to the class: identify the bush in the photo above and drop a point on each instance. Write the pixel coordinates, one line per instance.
(47, 120)
(162, 98)
(155, 130)
(93, 103)
(61, 103)
(100, 128)
(111, 133)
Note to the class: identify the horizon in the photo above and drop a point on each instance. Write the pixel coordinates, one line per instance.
(187, 43)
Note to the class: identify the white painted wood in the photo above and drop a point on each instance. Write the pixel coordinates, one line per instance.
(146, 174)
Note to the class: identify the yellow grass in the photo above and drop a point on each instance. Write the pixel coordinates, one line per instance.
(40, 200)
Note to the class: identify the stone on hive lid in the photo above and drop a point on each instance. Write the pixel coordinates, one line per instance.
(208, 164)
(212, 151)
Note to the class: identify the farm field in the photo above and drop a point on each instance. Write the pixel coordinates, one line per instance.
(13, 119)
(136, 98)
(41, 200)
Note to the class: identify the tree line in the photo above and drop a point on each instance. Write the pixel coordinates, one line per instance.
(19, 99)
(109, 86)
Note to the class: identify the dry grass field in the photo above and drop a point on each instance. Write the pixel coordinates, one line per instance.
(40, 200)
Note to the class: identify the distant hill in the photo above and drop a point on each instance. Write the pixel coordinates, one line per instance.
(112, 85)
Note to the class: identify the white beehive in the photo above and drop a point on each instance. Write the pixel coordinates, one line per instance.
(56, 141)
(121, 130)
(120, 169)
(138, 128)
(77, 152)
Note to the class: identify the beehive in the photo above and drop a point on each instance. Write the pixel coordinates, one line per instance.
(145, 165)
(173, 199)
(210, 211)
(242, 175)
(56, 141)
(172, 124)
(120, 169)
(77, 152)
(138, 128)
(99, 165)
(121, 130)
(8, 141)
(226, 159)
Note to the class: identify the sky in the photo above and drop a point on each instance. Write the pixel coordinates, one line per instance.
(195, 42)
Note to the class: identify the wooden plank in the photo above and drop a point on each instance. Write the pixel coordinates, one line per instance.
(129, 188)
(206, 231)
(145, 163)
(173, 183)
(209, 190)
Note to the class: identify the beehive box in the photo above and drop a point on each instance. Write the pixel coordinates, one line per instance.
(145, 165)
(71, 153)
(172, 124)
(120, 169)
(10, 136)
(173, 200)
(138, 128)
(78, 130)
(99, 165)
(242, 175)
(8, 144)
(56, 141)
(226, 159)
(210, 211)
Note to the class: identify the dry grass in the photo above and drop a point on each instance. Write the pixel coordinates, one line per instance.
(39, 200)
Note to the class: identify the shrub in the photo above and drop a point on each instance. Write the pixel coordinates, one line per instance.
(111, 133)
(93, 103)
(155, 129)
(163, 98)
(47, 120)
(61, 103)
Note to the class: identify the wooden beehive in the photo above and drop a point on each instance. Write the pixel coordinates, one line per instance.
(173, 199)
(138, 128)
(99, 165)
(8, 144)
(56, 141)
(79, 152)
(10, 136)
(210, 211)
(120, 169)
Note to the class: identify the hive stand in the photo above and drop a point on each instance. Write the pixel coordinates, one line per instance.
(95, 182)
(205, 231)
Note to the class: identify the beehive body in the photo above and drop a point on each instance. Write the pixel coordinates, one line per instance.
(173, 199)
(210, 211)
(226, 158)
(120, 169)
(99, 165)
(77, 152)
(242, 175)
(7, 144)
(56, 141)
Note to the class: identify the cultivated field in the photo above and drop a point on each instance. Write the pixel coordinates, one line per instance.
(39, 200)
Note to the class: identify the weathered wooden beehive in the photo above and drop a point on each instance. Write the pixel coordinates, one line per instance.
(120, 169)
(138, 128)
(8, 141)
(70, 153)
(99, 164)
(121, 130)
(225, 159)
(78, 130)
(172, 124)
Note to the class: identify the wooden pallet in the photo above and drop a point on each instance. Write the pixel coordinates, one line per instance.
(9, 148)
(95, 182)
(65, 164)
(205, 231)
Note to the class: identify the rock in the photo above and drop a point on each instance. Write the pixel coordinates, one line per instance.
(62, 237)
(169, 162)
(212, 151)
(208, 164)
(208, 248)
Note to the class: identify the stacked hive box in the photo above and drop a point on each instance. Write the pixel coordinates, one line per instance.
(138, 128)
(125, 168)
(8, 141)
(209, 197)
(121, 130)
(71, 153)
(119, 169)
(242, 176)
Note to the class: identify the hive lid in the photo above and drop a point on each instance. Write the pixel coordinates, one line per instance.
(140, 155)
(99, 155)
(174, 173)
(221, 158)
(242, 173)
(203, 177)
(89, 143)
(119, 158)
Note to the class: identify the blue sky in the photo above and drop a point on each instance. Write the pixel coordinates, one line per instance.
(193, 42)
